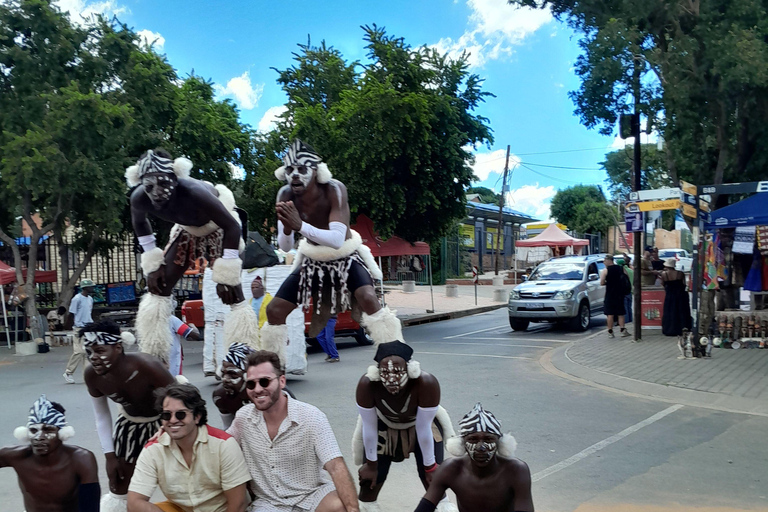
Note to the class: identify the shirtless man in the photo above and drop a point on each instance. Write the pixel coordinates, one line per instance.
(53, 477)
(333, 268)
(399, 415)
(484, 473)
(129, 380)
(231, 395)
(206, 225)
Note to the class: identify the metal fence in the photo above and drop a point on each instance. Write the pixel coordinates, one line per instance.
(456, 259)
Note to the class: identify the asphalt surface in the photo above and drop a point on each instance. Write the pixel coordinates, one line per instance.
(587, 448)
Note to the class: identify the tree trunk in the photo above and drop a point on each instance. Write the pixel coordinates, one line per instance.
(65, 295)
(68, 285)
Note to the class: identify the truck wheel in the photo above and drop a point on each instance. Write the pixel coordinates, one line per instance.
(581, 321)
(518, 324)
(362, 338)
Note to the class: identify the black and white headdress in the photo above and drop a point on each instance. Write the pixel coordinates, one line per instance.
(394, 348)
(106, 338)
(300, 153)
(480, 420)
(237, 354)
(151, 162)
(43, 412)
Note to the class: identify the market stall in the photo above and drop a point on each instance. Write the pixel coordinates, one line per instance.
(7, 277)
(553, 241)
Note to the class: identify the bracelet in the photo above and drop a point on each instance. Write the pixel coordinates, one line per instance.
(431, 468)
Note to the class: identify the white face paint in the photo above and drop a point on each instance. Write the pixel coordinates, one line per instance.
(301, 173)
(104, 358)
(38, 432)
(481, 452)
(393, 376)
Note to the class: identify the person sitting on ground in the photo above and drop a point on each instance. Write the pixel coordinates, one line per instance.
(287, 444)
(196, 466)
(484, 473)
(230, 395)
(53, 476)
(130, 381)
(400, 414)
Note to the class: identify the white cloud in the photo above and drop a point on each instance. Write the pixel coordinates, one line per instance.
(493, 162)
(245, 94)
(79, 10)
(532, 200)
(147, 37)
(268, 121)
(619, 143)
(493, 28)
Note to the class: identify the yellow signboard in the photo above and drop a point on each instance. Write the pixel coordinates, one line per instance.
(490, 239)
(688, 188)
(651, 206)
(467, 235)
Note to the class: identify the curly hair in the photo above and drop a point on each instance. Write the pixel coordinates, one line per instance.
(189, 396)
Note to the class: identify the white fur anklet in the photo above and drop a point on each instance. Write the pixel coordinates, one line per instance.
(153, 326)
(227, 271)
(445, 505)
(369, 506)
(383, 326)
(241, 326)
(274, 338)
(111, 502)
(152, 260)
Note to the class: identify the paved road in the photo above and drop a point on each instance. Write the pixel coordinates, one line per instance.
(588, 449)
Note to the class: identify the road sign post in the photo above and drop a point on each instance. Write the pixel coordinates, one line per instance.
(474, 280)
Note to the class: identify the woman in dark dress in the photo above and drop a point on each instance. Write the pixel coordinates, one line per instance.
(677, 308)
(614, 295)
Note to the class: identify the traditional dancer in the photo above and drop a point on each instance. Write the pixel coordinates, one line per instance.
(399, 415)
(333, 267)
(130, 381)
(231, 395)
(206, 226)
(484, 473)
(53, 476)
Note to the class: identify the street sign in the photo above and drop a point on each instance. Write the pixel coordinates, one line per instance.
(650, 206)
(690, 200)
(690, 211)
(689, 188)
(736, 188)
(474, 274)
(633, 222)
(655, 195)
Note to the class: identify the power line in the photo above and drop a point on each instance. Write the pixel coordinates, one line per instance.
(563, 167)
(548, 177)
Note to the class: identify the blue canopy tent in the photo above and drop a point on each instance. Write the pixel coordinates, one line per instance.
(748, 212)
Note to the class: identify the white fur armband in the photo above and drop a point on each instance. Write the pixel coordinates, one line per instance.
(227, 271)
(152, 260)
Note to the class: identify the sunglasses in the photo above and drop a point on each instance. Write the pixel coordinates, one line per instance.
(167, 415)
(263, 382)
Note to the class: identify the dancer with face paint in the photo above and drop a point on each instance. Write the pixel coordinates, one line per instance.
(484, 473)
(129, 380)
(231, 394)
(333, 268)
(206, 225)
(399, 415)
(53, 476)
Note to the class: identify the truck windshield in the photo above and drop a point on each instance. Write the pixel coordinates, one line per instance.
(558, 272)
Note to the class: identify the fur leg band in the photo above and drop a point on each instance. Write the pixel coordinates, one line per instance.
(114, 502)
(152, 260)
(241, 326)
(383, 326)
(227, 271)
(370, 506)
(274, 338)
(153, 326)
(445, 505)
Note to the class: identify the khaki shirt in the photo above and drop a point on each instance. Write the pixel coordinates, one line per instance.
(647, 279)
(217, 466)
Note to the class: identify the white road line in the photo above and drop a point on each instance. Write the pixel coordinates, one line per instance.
(524, 339)
(473, 355)
(545, 347)
(604, 443)
(473, 332)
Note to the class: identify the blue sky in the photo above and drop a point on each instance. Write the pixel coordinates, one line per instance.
(525, 57)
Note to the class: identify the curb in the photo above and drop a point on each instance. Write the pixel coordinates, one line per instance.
(557, 362)
(450, 315)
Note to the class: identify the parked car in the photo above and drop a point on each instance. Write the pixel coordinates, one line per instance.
(564, 289)
(684, 260)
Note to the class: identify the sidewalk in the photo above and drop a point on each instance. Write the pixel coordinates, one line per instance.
(414, 308)
(731, 380)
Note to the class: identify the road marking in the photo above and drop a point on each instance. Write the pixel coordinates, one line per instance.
(473, 355)
(473, 332)
(483, 344)
(604, 443)
(526, 339)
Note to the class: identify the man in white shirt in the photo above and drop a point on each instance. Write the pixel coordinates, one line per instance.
(197, 467)
(80, 310)
(289, 447)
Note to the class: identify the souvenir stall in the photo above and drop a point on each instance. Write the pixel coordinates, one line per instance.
(735, 265)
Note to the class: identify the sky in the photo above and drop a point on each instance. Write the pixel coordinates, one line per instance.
(525, 57)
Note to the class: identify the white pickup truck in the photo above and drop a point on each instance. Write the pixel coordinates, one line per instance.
(684, 260)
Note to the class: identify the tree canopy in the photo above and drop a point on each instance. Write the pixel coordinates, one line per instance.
(618, 167)
(394, 129)
(583, 208)
(486, 195)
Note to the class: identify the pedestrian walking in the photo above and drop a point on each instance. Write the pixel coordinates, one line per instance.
(325, 339)
(626, 264)
(611, 278)
(677, 308)
(80, 311)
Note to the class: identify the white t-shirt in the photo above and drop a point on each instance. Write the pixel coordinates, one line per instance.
(180, 330)
(82, 307)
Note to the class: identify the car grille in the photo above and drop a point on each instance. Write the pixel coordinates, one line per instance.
(538, 296)
(538, 310)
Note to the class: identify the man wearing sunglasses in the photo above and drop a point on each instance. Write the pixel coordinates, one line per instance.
(334, 270)
(196, 466)
(287, 444)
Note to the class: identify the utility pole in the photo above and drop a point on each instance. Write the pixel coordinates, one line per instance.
(500, 225)
(637, 317)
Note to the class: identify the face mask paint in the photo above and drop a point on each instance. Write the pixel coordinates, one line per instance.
(302, 173)
(482, 450)
(38, 433)
(393, 377)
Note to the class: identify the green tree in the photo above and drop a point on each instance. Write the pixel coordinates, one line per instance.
(583, 208)
(618, 167)
(393, 129)
(487, 195)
